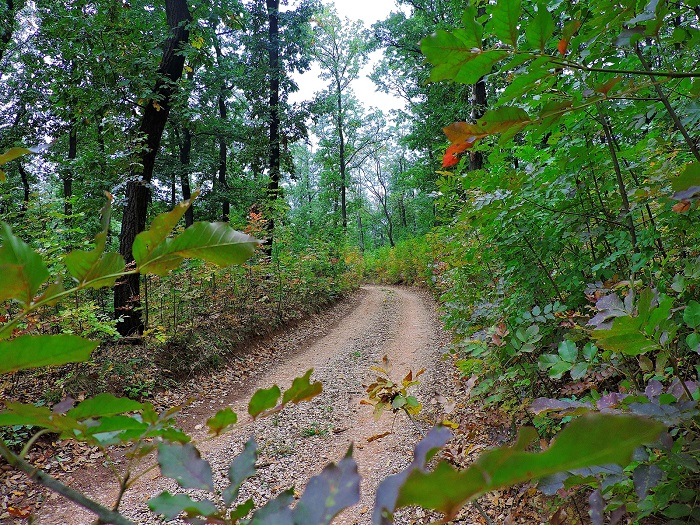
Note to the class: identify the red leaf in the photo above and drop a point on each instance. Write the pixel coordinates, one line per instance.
(450, 158)
(563, 43)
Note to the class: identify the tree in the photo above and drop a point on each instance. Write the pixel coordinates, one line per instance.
(341, 48)
(155, 115)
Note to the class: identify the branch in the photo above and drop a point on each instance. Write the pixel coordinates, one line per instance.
(104, 514)
(667, 74)
(672, 112)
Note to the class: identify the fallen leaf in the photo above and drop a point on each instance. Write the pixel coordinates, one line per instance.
(378, 436)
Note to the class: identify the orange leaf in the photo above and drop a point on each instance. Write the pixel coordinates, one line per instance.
(681, 207)
(461, 131)
(563, 44)
(450, 158)
(377, 436)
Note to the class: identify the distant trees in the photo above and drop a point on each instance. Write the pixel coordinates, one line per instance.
(341, 49)
(150, 103)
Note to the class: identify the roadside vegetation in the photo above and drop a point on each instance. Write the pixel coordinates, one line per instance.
(542, 181)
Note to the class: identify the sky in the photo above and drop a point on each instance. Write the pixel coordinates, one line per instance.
(369, 11)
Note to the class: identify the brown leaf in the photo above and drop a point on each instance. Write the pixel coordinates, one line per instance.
(559, 517)
(378, 436)
(681, 207)
(563, 44)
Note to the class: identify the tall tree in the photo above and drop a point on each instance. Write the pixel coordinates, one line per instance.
(341, 49)
(273, 7)
(155, 115)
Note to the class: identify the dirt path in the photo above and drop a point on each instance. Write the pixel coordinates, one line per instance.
(298, 442)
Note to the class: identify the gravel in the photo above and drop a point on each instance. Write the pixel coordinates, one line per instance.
(341, 345)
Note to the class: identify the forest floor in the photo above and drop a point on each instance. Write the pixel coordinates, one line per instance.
(341, 345)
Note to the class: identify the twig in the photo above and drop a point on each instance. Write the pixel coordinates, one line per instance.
(104, 514)
(478, 507)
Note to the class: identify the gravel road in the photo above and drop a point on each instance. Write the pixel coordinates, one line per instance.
(294, 445)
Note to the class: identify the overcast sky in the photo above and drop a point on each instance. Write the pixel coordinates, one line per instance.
(369, 11)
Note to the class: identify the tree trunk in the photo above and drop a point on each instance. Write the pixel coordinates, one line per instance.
(7, 24)
(68, 175)
(223, 155)
(25, 187)
(476, 158)
(223, 147)
(361, 233)
(341, 157)
(274, 157)
(185, 147)
(126, 292)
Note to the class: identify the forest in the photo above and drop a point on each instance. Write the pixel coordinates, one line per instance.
(165, 197)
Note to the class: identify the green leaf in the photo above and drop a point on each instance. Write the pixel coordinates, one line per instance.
(559, 368)
(13, 153)
(22, 271)
(505, 120)
(473, 31)
(213, 242)
(28, 414)
(334, 489)
(522, 83)
(104, 404)
(398, 402)
(148, 241)
(677, 510)
(113, 430)
(625, 337)
(87, 267)
(184, 464)
(221, 420)
(689, 176)
(541, 28)
(241, 510)
(567, 350)
(691, 314)
(34, 351)
(595, 439)
(275, 511)
(263, 399)
(171, 506)
(458, 56)
(547, 361)
(589, 351)
(241, 468)
(302, 389)
(504, 21)
(579, 370)
(478, 65)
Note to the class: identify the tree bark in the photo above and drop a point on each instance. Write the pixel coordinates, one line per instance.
(25, 187)
(68, 175)
(223, 155)
(8, 24)
(223, 146)
(126, 293)
(185, 147)
(274, 147)
(476, 158)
